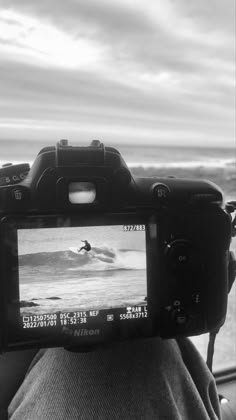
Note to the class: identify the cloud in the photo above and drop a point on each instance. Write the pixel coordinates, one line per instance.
(162, 70)
(39, 43)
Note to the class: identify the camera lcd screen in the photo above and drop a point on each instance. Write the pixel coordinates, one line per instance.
(67, 274)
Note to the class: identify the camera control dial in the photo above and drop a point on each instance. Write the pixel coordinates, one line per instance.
(13, 174)
(180, 254)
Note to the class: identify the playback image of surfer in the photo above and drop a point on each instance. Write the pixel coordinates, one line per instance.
(81, 268)
(86, 247)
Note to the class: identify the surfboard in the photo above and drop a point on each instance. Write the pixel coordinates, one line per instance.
(75, 250)
(91, 255)
(82, 252)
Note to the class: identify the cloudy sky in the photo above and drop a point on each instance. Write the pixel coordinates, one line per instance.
(122, 71)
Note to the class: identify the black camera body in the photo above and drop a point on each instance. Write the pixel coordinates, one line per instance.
(156, 264)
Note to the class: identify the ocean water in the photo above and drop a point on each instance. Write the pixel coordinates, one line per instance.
(175, 157)
(144, 156)
(215, 164)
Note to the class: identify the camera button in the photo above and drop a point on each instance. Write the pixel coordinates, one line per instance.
(180, 317)
(20, 194)
(176, 303)
(161, 192)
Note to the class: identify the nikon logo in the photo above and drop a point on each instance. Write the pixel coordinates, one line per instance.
(84, 332)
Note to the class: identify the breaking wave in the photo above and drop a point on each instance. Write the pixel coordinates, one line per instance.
(98, 259)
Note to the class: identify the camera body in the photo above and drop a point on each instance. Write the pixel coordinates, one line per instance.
(157, 263)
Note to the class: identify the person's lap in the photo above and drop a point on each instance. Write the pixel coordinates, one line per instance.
(141, 379)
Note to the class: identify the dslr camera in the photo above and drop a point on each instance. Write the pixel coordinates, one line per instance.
(91, 254)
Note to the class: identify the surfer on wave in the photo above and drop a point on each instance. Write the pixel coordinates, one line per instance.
(86, 246)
